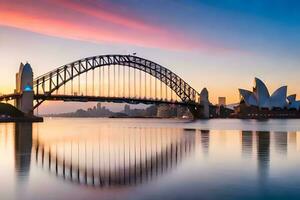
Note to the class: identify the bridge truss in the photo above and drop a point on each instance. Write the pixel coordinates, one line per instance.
(114, 78)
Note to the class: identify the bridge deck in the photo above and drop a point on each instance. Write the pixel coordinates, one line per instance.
(8, 97)
(79, 98)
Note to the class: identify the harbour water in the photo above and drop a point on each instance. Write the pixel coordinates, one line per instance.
(91, 158)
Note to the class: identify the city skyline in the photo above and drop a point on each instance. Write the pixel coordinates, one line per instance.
(221, 48)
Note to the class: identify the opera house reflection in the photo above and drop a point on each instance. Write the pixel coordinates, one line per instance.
(263, 141)
(263, 153)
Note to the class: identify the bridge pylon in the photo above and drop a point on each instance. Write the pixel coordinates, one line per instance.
(204, 101)
(24, 87)
(200, 109)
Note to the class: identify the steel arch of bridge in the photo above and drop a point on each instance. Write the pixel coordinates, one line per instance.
(55, 79)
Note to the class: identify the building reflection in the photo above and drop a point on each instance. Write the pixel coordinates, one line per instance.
(263, 153)
(281, 140)
(205, 141)
(23, 146)
(130, 158)
(247, 143)
(292, 141)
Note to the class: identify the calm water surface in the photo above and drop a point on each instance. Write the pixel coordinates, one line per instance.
(150, 159)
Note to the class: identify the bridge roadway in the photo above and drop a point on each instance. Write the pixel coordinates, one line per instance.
(133, 100)
(9, 97)
(83, 98)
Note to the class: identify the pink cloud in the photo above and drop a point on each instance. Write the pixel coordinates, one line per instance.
(72, 20)
(102, 14)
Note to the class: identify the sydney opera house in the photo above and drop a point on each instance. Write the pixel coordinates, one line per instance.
(260, 104)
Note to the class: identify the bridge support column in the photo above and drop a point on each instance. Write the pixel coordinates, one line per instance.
(24, 87)
(205, 103)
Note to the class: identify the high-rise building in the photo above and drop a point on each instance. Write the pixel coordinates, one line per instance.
(222, 101)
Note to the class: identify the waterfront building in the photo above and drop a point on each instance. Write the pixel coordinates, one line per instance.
(127, 109)
(259, 103)
(98, 106)
(222, 101)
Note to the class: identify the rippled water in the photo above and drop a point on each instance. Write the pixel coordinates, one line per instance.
(150, 159)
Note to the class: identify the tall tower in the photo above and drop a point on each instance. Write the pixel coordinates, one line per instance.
(24, 87)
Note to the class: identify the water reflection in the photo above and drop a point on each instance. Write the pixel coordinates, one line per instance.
(205, 141)
(247, 143)
(23, 145)
(263, 153)
(281, 141)
(129, 156)
(292, 141)
(167, 161)
(111, 159)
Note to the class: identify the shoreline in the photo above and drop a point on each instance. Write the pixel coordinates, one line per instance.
(21, 119)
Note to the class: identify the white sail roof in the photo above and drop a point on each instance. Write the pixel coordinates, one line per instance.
(261, 93)
(261, 97)
(278, 98)
(248, 97)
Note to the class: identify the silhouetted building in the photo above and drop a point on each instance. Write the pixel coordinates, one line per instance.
(98, 106)
(163, 111)
(127, 109)
(222, 101)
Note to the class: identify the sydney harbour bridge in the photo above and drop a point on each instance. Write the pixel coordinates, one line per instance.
(107, 78)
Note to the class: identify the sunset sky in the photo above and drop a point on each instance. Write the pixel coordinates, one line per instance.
(221, 45)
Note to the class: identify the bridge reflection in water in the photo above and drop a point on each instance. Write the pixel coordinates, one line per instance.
(23, 147)
(124, 156)
(113, 159)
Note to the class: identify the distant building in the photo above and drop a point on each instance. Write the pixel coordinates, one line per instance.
(98, 106)
(222, 101)
(127, 109)
(163, 111)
